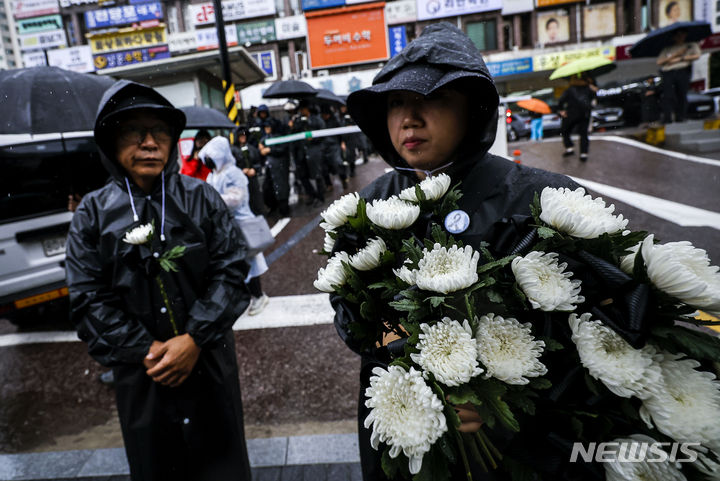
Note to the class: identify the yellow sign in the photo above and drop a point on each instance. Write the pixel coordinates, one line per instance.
(551, 61)
(548, 3)
(126, 39)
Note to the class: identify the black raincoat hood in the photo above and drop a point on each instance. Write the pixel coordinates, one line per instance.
(121, 98)
(441, 55)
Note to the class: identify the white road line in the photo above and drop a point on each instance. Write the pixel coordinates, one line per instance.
(279, 226)
(680, 214)
(281, 311)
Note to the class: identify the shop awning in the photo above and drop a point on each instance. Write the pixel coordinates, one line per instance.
(244, 70)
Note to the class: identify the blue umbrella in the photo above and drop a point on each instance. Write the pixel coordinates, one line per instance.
(653, 43)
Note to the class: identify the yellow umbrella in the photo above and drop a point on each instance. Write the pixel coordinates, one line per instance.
(597, 65)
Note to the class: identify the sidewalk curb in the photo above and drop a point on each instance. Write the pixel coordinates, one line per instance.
(111, 463)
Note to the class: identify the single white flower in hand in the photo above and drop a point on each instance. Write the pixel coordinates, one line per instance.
(433, 187)
(448, 351)
(685, 404)
(447, 270)
(508, 349)
(333, 274)
(684, 272)
(627, 262)
(579, 215)
(339, 211)
(404, 413)
(545, 283)
(392, 213)
(625, 371)
(369, 256)
(631, 462)
(139, 235)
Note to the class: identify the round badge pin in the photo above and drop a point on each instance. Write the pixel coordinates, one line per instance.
(457, 221)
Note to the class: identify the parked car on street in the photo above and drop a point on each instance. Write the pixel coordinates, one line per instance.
(715, 94)
(518, 123)
(39, 173)
(607, 118)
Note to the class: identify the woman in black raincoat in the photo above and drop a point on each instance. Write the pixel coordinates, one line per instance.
(443, 71)
(146, 323)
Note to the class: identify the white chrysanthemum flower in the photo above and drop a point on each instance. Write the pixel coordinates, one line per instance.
(686, 403)
(392, 213)
(332, 274)
(631, 463)
(508, 349)
(406, 275)
(627, 263)
(545, 283)
(328, 241)
(433, 187)
(447, 270)
(369, 256)
(339, 211)
(577, 214)
(139, 235)
(707, 464)
(625, 371)
(684, 272)
(404, 413)
(448, 351)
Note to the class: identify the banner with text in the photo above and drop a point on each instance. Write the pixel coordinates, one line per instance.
(430, 9)
(204, 13)
(130, 57)
(125, 39)
(115, 16)
(39, 24)
(346, 36)
(551, 61)
(77, 59)
(34, 8)
(290, 27)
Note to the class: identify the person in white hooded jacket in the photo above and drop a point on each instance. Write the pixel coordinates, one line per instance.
(232, 184)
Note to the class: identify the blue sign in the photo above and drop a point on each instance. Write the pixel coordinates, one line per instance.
(315, 4)
(266, 61)
(398, 39)
(123, 15)
(509, 67)
(128, 57)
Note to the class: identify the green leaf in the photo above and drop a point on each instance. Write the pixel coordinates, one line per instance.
(551, 344)
(546, 232)
(463, 394)
(696, 344)
(405, 305)
(540, 383)
(367, 311)
(394, 467)
(436, 300)
(494, 296)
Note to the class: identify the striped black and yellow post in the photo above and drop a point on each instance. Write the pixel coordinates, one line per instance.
(231, 106)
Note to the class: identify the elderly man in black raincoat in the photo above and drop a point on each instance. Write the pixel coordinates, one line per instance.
(434, 108)
(166, 333)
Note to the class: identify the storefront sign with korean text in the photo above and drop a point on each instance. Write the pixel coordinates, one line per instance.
(551, 61)
(128, 38)
(183, 41)
(256, 32)
(549, 3)
(349, 35)
(207, 38)
(34, 8)
(401, 11)
(398, 39)
(77, 59)
(34, 59)
(129, 57)
(39, 24)
(266, 61)
(204, 13)
(510, 67)
(53, 38)
(315, 4)
(429, 9)
(290, 27)
(112, 17)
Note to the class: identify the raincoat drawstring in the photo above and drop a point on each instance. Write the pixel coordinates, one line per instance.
(428, 173)
(132, 202)
(162, 216)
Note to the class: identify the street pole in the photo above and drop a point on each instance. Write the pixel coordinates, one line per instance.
(228, 87)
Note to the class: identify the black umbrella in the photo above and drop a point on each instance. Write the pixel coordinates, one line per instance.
(290, 89)
(328, 97)
(652, 44)
(44, 100)
(206, 118)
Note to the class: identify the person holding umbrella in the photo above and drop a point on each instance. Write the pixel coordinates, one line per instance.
(675, 62)
(575, 105)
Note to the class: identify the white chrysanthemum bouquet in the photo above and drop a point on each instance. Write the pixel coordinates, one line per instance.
(571, 332)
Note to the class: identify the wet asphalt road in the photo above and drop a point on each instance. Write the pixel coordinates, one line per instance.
(303, 380)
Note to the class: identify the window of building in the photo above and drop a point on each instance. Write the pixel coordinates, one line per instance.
(483, 34)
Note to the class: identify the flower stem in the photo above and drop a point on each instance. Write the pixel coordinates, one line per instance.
(486, 444)
(161, 285)
(475, 452)
(463, 455)
(481, 440)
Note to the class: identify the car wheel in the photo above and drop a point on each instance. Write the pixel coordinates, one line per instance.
(512, 136)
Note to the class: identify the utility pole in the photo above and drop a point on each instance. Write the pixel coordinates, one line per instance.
(228, 87)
